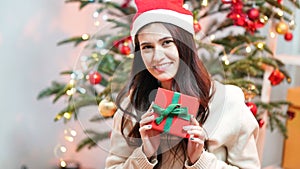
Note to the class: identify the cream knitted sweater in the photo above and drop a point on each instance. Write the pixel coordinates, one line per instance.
(232, 132)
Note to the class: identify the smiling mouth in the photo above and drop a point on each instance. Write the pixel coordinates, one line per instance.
(162, 67)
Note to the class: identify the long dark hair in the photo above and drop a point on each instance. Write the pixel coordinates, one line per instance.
(191, 78)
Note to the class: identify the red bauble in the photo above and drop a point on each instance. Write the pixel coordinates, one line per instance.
(279, 1)
(261, 123)
(197, 26)
(124, 49)
(253, 13)
(253, 108)
(276, 77)
(288, 36)
(95, 77)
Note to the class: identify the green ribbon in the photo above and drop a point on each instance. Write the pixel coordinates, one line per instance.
(174, 109)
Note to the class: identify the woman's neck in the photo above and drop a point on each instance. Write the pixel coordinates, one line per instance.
(167, 84)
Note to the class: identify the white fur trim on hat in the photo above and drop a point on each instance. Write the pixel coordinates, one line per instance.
(183, 21)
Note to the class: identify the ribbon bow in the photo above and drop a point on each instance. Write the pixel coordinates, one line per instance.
(173, 109)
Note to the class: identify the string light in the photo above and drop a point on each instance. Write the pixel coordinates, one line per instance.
(280, 12)
(71, 91)
(63, 163)
(272, 34)
(67, 115)
(85, 36)
(204, 3)
(212, 37)
(248, 49)
(260, 45)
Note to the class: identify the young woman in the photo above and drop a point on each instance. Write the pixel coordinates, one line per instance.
(224, 132)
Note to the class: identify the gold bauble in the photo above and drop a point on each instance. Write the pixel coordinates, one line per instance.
(281, 28)
(107, 108)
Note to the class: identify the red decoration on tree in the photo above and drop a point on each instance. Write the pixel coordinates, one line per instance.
(288, 36)
(279, 1)
(95, 77)
(253, 14)
(253, 108)
(276, 77)
(197, 26)
(261, 123)
(125, 4)
(291, 114)
(124, 49)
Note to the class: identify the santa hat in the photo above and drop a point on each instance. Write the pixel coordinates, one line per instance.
(169, 11)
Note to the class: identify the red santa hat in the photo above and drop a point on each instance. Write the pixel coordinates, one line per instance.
(169, 11)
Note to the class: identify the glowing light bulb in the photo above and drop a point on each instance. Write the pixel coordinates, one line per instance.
(248, 49)
(260, 45)
(272, 34)
(63, 149)
(63, 163)
(85, 36)
(67, 115)
(204, 3)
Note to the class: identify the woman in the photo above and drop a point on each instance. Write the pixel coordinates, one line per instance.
(224, 132)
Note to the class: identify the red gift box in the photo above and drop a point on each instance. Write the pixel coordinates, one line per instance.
(172, 111)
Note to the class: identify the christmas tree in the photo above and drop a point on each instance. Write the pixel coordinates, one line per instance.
(229, 40)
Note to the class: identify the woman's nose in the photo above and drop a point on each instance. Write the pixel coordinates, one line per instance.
(158, 54)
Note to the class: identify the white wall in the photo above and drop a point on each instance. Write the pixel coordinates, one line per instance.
(30, 60)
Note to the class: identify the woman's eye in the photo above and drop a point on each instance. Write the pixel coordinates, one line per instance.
(146, 47)
(168, 42)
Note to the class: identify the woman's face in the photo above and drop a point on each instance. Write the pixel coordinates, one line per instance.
(159, 52)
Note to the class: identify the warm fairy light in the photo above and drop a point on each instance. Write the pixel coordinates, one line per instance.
(73, 133)
(85, 36)
(63, 149)
(204, 3)
(186, 6)
(260, 45)
(100, 43)
(71, 91)
(69, 138)
(212, 37)
(280, 12)
(263, 19)
(95, 14)
(104, 17)
(72, 81)
(96, 23)
(63, 163)
(272, 34)
(248, 49)
(67, 115)
(130, 55)
(226, 62)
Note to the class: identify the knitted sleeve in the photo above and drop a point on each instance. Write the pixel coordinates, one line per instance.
(121, 155)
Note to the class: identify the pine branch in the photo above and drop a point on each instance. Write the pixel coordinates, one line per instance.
(92, 139)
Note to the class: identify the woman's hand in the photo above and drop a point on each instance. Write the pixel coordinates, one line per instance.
(196, 140)
(150, 138)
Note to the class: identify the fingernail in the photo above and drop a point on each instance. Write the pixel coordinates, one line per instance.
(186, 128)
(149, 126)
(192, 138)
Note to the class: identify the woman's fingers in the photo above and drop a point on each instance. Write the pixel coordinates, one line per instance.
(148, 112)
(145, 128)
(146, 120)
